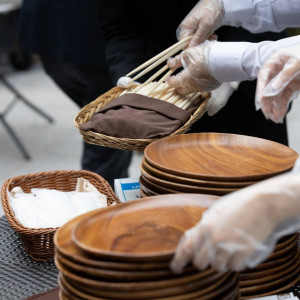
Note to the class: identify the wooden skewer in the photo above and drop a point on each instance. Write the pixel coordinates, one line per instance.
(155, 64)
(154, 76)
(183, 43)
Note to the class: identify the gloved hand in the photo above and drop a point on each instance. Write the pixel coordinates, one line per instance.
(195, 76)
(202, 21)
(220, 96)
(241, 229)
(126, 82)
(278, 83)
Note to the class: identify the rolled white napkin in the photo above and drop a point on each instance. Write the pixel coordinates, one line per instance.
(47, 208)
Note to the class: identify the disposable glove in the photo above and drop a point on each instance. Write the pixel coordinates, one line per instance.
(278, 83)
(195, 76)
(220, 97)
(241, 229)
(202, 21)
(126, 82)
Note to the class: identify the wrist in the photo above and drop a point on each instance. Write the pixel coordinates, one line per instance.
(237, 12)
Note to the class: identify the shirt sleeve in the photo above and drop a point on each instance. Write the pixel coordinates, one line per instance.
(239, 61)
(262, 15)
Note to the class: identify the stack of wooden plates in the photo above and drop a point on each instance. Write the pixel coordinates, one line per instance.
(124, 251)
(211, 163)
(277, 274)
(218, 163)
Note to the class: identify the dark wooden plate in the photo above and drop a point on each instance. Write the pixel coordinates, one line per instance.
(269, 275)
(185, 188)
(124, 276)
(143, 230)
(263, 287)
(147, 168)
(220, 156)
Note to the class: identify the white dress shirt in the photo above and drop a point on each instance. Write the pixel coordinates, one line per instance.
(262, 15)
(239, 61)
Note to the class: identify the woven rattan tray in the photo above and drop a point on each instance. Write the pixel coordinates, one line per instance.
(86, 113)
(38, 243)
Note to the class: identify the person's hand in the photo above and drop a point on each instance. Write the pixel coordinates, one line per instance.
(195, 76)
(220, 96)
(202, 21)
(278, 83)
(241, 229)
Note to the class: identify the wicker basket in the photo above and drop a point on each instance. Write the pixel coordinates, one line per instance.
(86, 113)
(38, 243)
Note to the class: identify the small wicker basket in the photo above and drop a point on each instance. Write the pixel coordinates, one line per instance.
(91, 137)
(38, 243)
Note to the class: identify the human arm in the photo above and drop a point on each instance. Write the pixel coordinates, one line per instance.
(241, 229)
(253, 15)
(208, 65)
(278, 83)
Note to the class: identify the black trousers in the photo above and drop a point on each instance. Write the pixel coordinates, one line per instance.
(84, 84)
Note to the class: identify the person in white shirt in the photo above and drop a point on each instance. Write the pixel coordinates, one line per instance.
(207, 64)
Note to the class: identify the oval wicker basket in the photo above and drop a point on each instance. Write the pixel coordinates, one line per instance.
(91, 137)
(38, 243)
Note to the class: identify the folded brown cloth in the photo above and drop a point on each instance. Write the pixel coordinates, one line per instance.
(52, 294)
(138, 117)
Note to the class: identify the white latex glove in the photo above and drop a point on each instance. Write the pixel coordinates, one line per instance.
(278, 83)
(195, 76)
(220, 96)
(202, 21)
(241, 229)
(126, 82)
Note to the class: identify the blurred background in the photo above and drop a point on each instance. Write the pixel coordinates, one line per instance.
(29, 100)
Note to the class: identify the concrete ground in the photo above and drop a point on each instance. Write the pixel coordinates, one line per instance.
(57, 146)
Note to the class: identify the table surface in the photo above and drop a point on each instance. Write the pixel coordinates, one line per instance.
(21, 277)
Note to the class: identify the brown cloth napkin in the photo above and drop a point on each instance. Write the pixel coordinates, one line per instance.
(138, 117)
(52, 294)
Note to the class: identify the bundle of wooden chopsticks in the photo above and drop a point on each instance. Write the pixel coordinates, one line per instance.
(160, 89)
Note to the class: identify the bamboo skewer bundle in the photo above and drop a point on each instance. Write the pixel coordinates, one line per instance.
(160, 89)
(164, 92)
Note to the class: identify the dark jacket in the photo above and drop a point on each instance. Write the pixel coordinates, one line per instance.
(135, 31)
(65, 31)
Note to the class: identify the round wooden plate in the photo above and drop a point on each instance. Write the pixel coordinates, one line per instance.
(220, 156)
(66, 248)
(269, 275)
(184, 188)
(263, 287)
(143, 230)
(98, 273)
(91, 285)
(148, 169)
(208, 288)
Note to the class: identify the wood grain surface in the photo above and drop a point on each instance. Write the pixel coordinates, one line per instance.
(220, 156)
(141, 230)
(149, 169)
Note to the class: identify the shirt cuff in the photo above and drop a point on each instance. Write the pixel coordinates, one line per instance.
(237, 12)
(225, 61)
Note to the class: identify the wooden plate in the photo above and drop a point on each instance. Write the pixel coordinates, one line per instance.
(151, 189)
(148, 169)
(143, 230)
(124, 276)
(184, 188)
(273, 291)
(65, 247)
(207, 288)
(91, 285)
(220, 156)
(263, 287)
(269, 275)
(270, 264)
